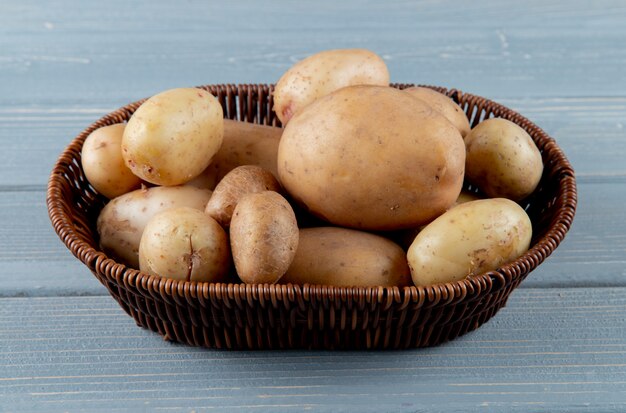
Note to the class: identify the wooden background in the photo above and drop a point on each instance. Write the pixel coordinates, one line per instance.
(559, 345)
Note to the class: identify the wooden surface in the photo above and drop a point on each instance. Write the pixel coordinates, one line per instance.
(560, 343)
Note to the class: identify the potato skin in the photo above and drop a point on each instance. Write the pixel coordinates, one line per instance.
(405, 237)
(323, 73)
(371, 157)
(184, 244)
(244, 144)
(122, 221)
(444, 105)
(239, 182)
(171, 137)
(101, 158)
(346, 257)
(263, 237)
(502, 159)
(469, 239)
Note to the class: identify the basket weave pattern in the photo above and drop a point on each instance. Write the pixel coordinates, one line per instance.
(240, 316)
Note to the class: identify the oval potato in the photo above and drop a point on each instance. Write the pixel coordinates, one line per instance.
(244, 144)
(469, 239)
(502, 159)
(122, 221)
(172, 137)
(263, 237)
(444, 105)
(101, 158)
(184, 244)
(371, 157)
(239, 182)
(405, 237)
(323, 73)
(346, 257)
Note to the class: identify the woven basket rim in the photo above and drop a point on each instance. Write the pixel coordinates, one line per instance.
(472, 287)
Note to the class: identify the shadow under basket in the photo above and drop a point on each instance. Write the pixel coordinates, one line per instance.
(254, 316)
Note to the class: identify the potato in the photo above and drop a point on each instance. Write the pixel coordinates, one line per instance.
(244, 144)
(122, 221)
(172, 136)
(502, 159)
(239, 182)
(184, 244)
(324, 72)
(263, 237)
(405, 237)
(372, 157)
(101, 158)
(347, 257)
(444, 105)
(469, 239)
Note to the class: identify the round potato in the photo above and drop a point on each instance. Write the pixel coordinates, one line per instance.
(347, 257)
(184, 244)
(323, 73)
(444, 105)
(502, 159)
(122, 221)
(469, 239)
(243, 180)
(101, 158)
(371, 157)
(244, 144)
(263, 237)
(172, 136)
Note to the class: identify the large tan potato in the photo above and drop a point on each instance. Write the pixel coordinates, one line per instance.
(122, 221)
(244, 144)
(502, 159)
(263, 237)
(172, 136)
(101, 158)
(239, 182)
(372, 157)
(346, 257)
(444, 105)
(323, 73)
(469, 239)
(184, 244)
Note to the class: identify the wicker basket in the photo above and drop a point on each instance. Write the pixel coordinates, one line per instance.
(240, 316)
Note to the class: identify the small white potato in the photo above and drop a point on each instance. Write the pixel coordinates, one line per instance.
(184, 244)
(172, 136)
(239, 182)
(324, 72)
(104, 167)
(263, 237)
(502, 159)
(444, 105)
(122, 221)
(405, 237)
(469, 239)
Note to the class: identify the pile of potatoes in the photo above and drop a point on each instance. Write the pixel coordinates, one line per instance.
(362, 186)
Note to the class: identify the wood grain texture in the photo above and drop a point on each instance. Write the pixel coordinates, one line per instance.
(37, 263)
(548, 350)
(67, 52)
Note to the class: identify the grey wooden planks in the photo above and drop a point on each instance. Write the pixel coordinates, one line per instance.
(548, 350)
(108, 53)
